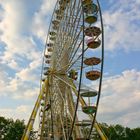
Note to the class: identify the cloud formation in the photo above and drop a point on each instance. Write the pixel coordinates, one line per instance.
(41, 19)
(13, 27)
(20, 112)
(20, 57)
(120, 99)
(121, 23)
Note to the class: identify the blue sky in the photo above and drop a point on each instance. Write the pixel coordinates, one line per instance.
(23, 30)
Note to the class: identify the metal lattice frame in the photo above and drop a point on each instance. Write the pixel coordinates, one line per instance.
(60, 97)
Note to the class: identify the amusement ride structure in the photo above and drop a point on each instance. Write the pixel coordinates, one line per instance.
(71, 76)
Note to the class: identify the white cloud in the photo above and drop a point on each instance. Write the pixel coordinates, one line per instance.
(30, 73)
(20, 58)
(120, 99)
(11, 18)
(13, 64)
(21, 112)
(26, 49)
(24, 85)
(121, 26)
(42, 18)
(18, 89)
(13, 26)
(4, 79)
(20, 53)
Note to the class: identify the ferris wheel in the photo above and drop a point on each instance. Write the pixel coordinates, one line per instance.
(71, 74)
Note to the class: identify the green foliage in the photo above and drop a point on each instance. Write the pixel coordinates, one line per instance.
(13, 130)
(118, 132)
(10, 129)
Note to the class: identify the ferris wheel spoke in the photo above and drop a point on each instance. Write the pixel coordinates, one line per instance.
(74, 43)
(72, 57)
(59, 91)
(74, 20)
(76, 37)
(75, 52)
(72, 34)
(57, 104)
(60, 36)
(64, 27)
(62, 127)
(67, 19)
(71, 14)
(66, 82)
(73, 87)
(75, 60)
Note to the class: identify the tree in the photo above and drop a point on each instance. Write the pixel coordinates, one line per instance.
(10, 129)
(118, 132)
(136, 133)
(129, 133)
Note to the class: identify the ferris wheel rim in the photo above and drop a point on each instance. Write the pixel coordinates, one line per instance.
(74, 63)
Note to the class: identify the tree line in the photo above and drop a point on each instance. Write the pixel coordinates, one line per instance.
(13, 130)
(119, 132)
